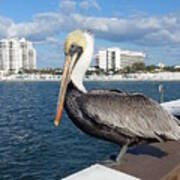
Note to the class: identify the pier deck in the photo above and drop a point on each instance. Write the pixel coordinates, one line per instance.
(154, 162)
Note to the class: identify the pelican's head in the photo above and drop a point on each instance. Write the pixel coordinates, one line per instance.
(78, 49)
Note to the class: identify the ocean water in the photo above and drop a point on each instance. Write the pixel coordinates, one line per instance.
(30, 146)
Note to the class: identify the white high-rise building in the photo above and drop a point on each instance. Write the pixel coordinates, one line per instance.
(17, 54)
(114, 59)
(4, 55)
(101, 60)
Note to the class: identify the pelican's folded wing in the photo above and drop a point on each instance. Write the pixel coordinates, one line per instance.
(134, 114)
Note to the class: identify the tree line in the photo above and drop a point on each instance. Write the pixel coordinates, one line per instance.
(136, 67)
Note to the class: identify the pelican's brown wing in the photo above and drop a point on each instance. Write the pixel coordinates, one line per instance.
(134, 114)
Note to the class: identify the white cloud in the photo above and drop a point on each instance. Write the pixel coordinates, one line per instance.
(140, 30)
(67, 6)
(87, 4)
(42, 26)
(52, 40)
(5, 23)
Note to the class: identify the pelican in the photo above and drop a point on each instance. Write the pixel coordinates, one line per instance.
(127, 119)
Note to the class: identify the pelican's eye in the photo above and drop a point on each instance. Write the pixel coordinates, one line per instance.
(74, 48)
(72, 45)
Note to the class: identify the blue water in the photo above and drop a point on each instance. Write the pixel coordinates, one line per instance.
(30, 146)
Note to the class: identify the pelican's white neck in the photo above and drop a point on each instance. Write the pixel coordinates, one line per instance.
(83, 63)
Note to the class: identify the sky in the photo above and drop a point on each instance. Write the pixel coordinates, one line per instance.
(152, 27)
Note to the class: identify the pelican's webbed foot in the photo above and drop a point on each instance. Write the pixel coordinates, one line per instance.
(118, 160)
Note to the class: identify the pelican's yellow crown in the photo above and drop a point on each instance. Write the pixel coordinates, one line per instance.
(75, 37)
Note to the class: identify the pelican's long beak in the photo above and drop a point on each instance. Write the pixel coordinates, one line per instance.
(64, 83)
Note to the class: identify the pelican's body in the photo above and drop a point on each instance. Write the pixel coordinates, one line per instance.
(119, 117)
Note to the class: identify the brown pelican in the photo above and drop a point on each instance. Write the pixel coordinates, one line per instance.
(123, 118)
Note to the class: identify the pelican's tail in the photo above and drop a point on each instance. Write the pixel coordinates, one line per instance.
(177, 120)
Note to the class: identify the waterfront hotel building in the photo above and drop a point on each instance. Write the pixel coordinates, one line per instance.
(16, 54)
(114, 59)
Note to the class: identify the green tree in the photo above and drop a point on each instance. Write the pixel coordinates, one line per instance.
(151, 68)
(138, 67)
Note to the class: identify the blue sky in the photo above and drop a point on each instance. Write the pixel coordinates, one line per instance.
(149, 26)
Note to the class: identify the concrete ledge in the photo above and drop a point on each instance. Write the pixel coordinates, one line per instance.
(99, 172)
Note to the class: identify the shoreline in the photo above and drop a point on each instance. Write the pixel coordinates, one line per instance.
(87, 80)
(161, 76)
(92, 80)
